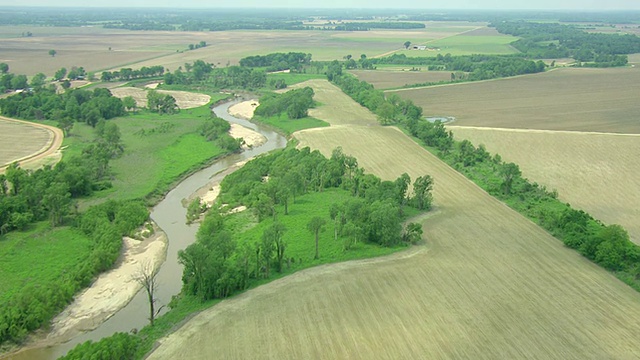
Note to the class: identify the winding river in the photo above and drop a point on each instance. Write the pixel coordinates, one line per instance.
(170, 216)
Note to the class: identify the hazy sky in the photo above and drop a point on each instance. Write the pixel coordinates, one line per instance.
(414, 4)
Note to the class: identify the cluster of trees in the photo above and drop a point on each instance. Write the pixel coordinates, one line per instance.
(161, 103)
(216, 130)
(35, 305)
(48, 193)
(362, 63)
(295, 103)
(73, 105)
(293, 61)
(199, 45)
(473, 67)
(126, 74)
(201, 72)
(217, 265)
(121, 346)
(552, 40)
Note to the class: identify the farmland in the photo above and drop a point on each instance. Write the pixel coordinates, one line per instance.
(30, 143)
(597, 173)
(184, 99)
(481, 40)
(385, 79)
(599, 100)
(439, 301)
(98, 49)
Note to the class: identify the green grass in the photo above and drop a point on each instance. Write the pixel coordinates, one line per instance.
(289, 126)
(301, 242)
(467, 45)
(169, 149)
(39, 256)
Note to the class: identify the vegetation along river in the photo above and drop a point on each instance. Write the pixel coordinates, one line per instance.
(170, 215)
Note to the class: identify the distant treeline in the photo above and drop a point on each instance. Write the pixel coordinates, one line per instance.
(476, 67)
(278, 61)
(549, 40)
(126, 74)
(608, 246)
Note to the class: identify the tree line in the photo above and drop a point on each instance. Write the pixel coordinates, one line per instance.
(66, 108)
(551, 40)
(218, 264)
(607, 245)
(295, 103)
(125, 74)
(470, 67)
(202, 73)
(293, 61)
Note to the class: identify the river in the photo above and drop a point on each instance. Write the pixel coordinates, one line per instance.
(170, 215)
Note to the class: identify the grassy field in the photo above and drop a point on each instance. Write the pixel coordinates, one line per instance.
(39, 256)
(490, 284)
(481, 40)
(597, 173)
(600, 100)
(388, 79)
(18, 140)
(293, 78)
(158, 150)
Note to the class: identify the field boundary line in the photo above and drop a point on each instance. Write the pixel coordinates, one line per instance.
(54, 143)
(427, 42)
(539, 131)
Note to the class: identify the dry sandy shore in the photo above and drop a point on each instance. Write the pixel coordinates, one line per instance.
(245, 109)
(112, 290)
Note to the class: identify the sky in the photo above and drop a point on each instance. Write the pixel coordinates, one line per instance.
(373, 4)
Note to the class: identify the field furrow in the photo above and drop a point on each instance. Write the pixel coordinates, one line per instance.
(491, 285)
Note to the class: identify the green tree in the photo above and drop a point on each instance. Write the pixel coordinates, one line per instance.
(412, 233)
(509, 172)
(316, 225)
(422, 197)
(60, 74)
(19, 82)
(38, 80)
(129, 103)
(402, 186)
(4, 68)
(56, 200)
(52, 53)
(275, 233)
(407, 44)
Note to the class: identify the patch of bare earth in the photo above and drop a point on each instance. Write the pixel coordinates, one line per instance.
(30, 144)
(184, 99)
(581, 99)
(492, 284)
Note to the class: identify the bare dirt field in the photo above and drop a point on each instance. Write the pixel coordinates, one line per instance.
(383, 79)
(27, 143)
(98, 49)
(598, 173)
(600, 100)
(490, 285)
(184, 99)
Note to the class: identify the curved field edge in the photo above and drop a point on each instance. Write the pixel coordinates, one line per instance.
(52, 144)
(489, 285)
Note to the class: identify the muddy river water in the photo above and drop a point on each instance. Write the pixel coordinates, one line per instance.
(170, 215)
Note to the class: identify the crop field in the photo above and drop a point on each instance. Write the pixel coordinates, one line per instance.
(99, 49)
(598, 100)
(597, 173)
(480, 40)
(385, 79)
(33, 144)
(488, 284)
(184, 99)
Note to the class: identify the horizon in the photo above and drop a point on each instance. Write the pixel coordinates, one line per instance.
(450, 5)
